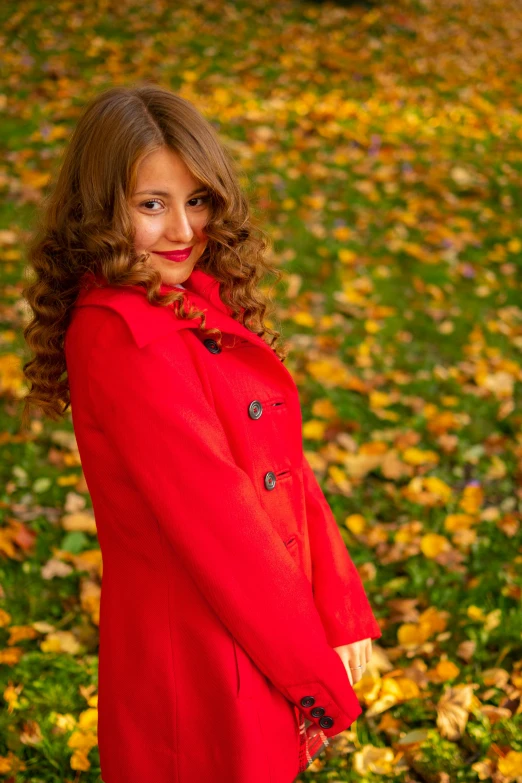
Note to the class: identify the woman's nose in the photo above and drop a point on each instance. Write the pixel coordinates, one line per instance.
(179, 228)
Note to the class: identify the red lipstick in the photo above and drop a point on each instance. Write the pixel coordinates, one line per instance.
(175, 255)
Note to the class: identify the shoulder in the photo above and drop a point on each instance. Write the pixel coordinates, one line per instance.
(129, 306)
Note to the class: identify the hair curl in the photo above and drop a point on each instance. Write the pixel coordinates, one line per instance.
(85, 226)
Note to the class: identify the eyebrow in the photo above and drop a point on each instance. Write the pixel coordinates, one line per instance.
(165, 192)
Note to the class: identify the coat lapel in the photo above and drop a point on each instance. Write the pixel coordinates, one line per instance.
(147, 322)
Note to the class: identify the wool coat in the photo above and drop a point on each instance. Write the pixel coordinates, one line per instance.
(226, 582)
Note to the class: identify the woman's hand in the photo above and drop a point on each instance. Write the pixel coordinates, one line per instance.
(352, 655)
(356, 654)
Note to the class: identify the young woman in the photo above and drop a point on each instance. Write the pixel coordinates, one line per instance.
(233, 622)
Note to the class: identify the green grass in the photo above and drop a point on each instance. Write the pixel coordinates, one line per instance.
(379, 109)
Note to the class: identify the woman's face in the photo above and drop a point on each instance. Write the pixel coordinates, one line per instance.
(169, 211)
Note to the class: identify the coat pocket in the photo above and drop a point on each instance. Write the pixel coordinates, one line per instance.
(292, 546)
(291, 543)
(244, 673)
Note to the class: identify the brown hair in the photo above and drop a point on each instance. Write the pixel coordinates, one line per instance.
(85, 226)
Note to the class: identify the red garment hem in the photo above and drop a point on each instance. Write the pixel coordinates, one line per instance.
(309, 747)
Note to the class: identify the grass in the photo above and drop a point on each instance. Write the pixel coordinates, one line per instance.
(385, 129)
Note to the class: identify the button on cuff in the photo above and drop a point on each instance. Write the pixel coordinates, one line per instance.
(326, 722)
(310, 698)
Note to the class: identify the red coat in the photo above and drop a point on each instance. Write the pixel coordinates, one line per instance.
(226, 581)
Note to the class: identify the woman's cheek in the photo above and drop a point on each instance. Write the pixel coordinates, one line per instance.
(147, 233)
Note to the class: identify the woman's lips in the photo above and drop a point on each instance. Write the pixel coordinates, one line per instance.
(175, 255)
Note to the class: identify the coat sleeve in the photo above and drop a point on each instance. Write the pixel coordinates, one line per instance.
(339, 594)
(151, 404)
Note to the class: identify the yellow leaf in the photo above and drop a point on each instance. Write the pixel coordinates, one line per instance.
(314, 429)
(429, 491)
(374, 447)
(11, 656)
(302, 318)
(432, 544)
(434, 619)
(412, 634)
(11, 375)
(439, 487)
(371, 326)
(79, 761)
(472, 498)
(380, 399)
(11, 255)
(475, 613)
(5, 618)
(330, 372)
(80, 520)
(447, 670)
(19, 633)
(414, 456)
(82, 740)
(340, 479)
(408, 532)
(453, 710)
(455, 522)
(368, 688)
(347, 256)
(511, 764)
(359, 465)
(324, 408)
(408, 688)
(493, 619)
(60, 641)
(342, 233)
(356, 523)
(88, 719)
(35, 179)
(371, 759)
(10, 695)
(222, 96)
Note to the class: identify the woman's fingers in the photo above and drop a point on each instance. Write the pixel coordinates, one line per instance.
(356, 665)
(349, 671)
(355, 658)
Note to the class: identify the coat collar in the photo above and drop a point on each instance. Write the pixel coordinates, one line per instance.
(148, 322)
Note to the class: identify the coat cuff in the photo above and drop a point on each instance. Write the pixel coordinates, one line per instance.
(319, 707)
(338, 636)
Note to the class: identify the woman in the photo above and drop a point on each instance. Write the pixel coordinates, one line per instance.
(233, 622)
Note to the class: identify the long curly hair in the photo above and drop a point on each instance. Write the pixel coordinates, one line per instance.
(85, 225)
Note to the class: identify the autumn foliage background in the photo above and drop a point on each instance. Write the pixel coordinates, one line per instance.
(382, 146)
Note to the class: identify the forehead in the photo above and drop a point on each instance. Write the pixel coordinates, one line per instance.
(163, 168)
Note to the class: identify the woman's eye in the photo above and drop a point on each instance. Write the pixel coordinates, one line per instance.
(202, 199)
(151, 201)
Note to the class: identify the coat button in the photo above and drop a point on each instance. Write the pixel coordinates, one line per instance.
(307, 701)
(255, 409)
(326, 721)
(211, 345)
(270, 480)
(317, 712)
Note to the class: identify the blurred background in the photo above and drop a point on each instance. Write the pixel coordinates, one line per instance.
(380, 144)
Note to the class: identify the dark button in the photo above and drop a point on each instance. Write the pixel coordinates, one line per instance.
(307, 701)
(270, 480)
(255, 409)
(212, 345)
(317, 712)
(326, 721)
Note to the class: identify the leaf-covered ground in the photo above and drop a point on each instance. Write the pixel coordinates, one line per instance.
(382, 146)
